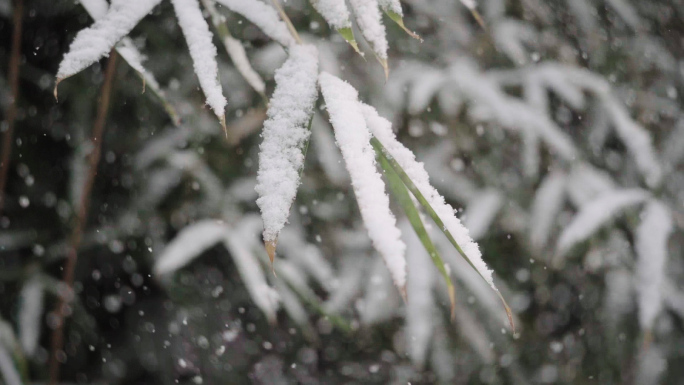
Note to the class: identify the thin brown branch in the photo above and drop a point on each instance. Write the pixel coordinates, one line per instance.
(14, 62)
(62, 310)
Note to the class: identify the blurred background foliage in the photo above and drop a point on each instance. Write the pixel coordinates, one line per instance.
(520, 125)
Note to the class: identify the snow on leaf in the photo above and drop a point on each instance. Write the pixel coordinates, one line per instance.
(481, 211)
(240, 244)
(7, 368)
(189, 244)
(30, 314)
(353, 139)
(235, 50)
(547, 204)
(202, 51)
(381, 128)
(285, 134)
(369, 20)
(586, 183)
(637, 140)
(328, 155)
(348, 284)
(423, 89)
(379, 301)
(334, 12)
(420, 307)
(93, 43)
(651, 247)
(306, 256)
(263, 16)
(595, 214)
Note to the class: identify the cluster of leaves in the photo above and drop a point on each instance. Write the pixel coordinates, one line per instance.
(556, 146)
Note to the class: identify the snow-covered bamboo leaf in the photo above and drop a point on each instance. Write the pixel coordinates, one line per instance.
(586, 182)
(30, 314)
(547, 204)
(651, 248)
(353, 139)
(416, 179)
(336, 14)
(369, 20)
(402, 195)
(263, 16)
(286, 133)
(328, 155)
(95, 42)
(393, 10)
(481, 211)
(595, 214)
(240, 247)
(235, 50)
(421, 306)
(637, 140)
(189, 244)
(423, 89)
(380, 302)
(8, 369)
(203, 53)
(306, 256)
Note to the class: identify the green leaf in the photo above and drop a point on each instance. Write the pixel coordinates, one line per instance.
(348, 35)
(401, 194)
(438, 221)
(400, 22)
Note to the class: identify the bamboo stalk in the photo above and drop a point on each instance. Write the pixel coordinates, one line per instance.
(62, 308)
(14, 62)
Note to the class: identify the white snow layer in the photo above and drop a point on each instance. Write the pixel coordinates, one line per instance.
(93, 43)
(190, 242)
(420, 307)
(353, 138)
(470, 4)
(369, 19)
(263, 16)
(382, 130)
(30, 315)
(595, 213)
(546, 206)
(391, 6)
(334, 12)
(237, 53)
(285, 133)
(651, 247)
(202, 51)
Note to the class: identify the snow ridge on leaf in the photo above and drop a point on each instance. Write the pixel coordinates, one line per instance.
(353, 139)
(595, 214)
(651, 246)
(94, 43)
(189, 244)
(202, 51)
(285, 134)
(263, 16)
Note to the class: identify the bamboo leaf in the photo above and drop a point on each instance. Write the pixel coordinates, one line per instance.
(348, 35)
(438, 221)
(400, 22)
(399, 191)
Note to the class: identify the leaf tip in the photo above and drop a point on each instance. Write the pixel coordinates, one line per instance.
(385, 67)
(271, 250)
(222, 119)
(54, 92)
(478, 18)
(509, 313)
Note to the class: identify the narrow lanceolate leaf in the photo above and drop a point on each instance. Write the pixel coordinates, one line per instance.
(30, 314)
(263, 16)
(93, 43)
(336, 14)
(353, 139)
(9, 372)
(420, 310)
(393, 9)
(369, 19)
(285, 134)
(203, 53)
(189, 244)
(595, 214)
(401, 194)
(240, 247)
(416, 179)
(545, 208)
(651, 247)
(235, 50)
(637, 140)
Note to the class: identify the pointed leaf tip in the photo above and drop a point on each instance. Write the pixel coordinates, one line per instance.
(478, 18)
(348, 35)
(271, 249)
(54, 92)
(222, 119)
(400, 22)
(385, 67)
(509, 313)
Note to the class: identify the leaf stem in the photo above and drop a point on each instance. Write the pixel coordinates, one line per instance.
(287, 21)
